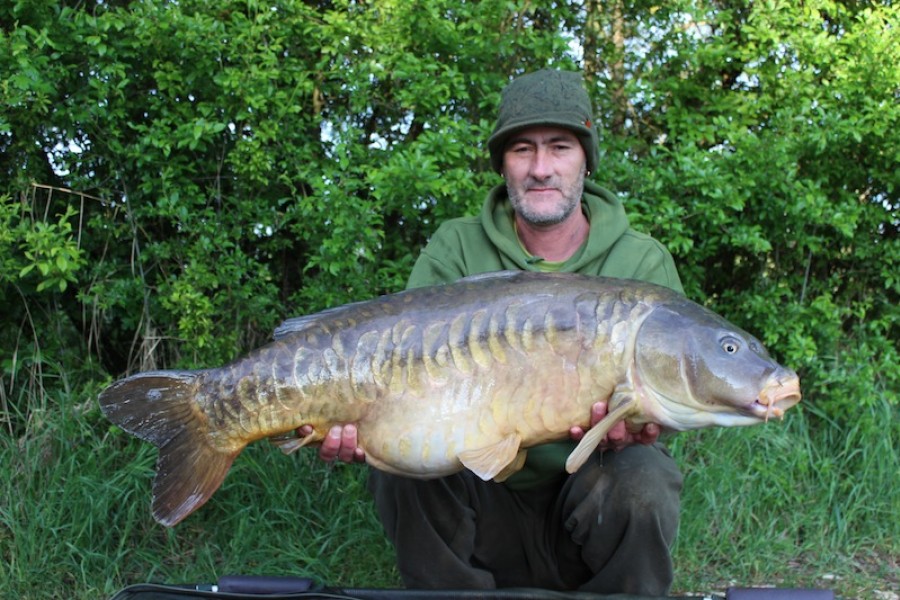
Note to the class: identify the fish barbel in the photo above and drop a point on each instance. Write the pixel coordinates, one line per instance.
(464, 375)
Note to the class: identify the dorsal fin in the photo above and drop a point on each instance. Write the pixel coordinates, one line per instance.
(295, 324)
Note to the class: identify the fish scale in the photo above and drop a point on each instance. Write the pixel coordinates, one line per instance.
(467, 375)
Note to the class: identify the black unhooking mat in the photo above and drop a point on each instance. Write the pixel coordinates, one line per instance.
(292, 588)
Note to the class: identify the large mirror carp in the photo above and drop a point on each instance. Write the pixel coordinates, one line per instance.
(465, 375)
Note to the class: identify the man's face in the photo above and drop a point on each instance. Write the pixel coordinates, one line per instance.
(544, 169)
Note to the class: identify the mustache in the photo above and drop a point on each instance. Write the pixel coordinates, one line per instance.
(551, 182)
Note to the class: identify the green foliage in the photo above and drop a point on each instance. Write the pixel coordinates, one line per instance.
(250, 162)
(41, 252)
(769, 168)
(177, 177)
(50, 249)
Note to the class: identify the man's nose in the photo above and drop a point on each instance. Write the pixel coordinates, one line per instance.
(541, 165)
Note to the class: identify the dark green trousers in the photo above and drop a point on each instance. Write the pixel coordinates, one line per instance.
(606, 529)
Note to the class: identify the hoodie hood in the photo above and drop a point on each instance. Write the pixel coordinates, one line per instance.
(608, 222)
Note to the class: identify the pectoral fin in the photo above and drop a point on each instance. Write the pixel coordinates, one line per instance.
(512, 468)
(290, 442)
(595, 434)
(489, 461)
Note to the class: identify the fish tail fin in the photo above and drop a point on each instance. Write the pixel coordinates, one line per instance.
(159, 407)
(188, 472)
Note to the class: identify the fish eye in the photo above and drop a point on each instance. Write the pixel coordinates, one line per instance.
(730, 345)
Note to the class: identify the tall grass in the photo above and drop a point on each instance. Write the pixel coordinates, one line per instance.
(75, 519)
(808, 501)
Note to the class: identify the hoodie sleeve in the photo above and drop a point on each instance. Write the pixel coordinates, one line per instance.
(638, 256)
(433, 269)
(448, 254)
(466, 246)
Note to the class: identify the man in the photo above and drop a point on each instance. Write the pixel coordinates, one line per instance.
(609, 527)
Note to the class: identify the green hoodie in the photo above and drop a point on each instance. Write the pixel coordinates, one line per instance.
(488, 242)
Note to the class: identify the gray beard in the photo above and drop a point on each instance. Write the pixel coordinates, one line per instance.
(572, 197)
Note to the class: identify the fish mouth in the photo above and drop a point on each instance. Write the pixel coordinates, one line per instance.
(778, 395)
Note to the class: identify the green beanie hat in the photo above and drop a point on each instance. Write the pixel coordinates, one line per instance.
(545, 98)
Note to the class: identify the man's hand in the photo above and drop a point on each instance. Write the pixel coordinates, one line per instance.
(618, 437)
(340, 444)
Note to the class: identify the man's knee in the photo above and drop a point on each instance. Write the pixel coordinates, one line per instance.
(643, 476)
(640, 483)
